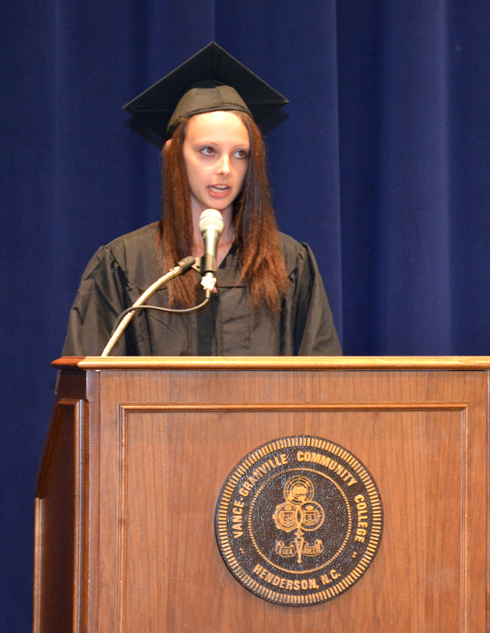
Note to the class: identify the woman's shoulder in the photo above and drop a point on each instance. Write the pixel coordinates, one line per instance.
(135, 254)
(295, 253)
(135, 240)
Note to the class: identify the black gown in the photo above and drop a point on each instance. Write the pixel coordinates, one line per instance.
(121, 271)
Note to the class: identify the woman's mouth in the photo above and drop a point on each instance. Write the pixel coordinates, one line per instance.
(219, 191)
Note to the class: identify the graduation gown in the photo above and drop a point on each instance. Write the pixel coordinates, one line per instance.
(121, 271)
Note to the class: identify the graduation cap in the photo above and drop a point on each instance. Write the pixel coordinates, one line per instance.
(210, 80)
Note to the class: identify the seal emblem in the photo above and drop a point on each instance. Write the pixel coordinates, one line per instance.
(299, 520)
(299, 513)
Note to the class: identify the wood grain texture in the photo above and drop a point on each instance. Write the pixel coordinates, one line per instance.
(59, 549)
(163, 439)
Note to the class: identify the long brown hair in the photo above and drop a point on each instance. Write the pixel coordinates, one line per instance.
(256, 235)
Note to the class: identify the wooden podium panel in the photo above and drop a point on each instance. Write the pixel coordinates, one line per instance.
(138, 450)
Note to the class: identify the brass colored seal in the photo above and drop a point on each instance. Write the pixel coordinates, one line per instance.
(299, 520)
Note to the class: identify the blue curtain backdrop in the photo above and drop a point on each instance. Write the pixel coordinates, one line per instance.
(381, 164)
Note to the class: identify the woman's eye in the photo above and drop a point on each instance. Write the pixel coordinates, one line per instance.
(207, 151)
(241, 153)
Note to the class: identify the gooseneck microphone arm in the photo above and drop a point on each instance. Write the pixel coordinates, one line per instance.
(180, 269)
(211, 226)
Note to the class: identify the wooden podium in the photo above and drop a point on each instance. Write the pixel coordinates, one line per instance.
(138, 449)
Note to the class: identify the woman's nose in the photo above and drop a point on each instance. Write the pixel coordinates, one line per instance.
(224, 164)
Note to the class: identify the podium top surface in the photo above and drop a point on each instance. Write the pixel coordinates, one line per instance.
(278, 363)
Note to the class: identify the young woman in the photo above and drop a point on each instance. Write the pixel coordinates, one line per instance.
(269, 298)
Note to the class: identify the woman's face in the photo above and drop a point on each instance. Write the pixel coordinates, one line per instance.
(216, 153)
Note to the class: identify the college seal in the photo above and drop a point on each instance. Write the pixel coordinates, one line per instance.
(299, 520)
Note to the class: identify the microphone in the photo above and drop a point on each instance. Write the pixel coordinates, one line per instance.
(211, 226)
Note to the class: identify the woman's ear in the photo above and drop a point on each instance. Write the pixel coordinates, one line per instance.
(166, 147)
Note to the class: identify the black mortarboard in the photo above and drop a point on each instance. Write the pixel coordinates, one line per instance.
(210, 80)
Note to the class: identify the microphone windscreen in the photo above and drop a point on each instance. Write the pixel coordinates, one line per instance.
(211, 219)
